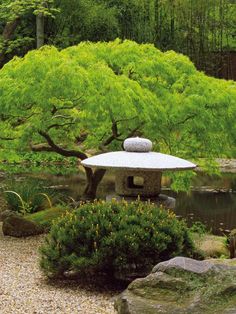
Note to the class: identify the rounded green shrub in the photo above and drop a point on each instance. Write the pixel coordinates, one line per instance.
(115, 237)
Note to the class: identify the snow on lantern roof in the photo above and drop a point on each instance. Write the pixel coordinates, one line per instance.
(137, 156)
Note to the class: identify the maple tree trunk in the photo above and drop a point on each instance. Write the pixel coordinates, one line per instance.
(93, 180)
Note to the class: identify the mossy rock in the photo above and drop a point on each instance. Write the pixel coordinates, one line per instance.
(182, 285)
(17, 226)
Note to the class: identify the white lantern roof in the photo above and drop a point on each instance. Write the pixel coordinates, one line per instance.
(137, 156)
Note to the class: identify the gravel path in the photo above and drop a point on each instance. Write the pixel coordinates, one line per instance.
(24, 289)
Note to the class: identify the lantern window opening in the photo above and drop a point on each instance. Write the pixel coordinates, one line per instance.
(135, 182)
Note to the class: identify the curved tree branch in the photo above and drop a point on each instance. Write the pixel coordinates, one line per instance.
(93, 177)
(7, 138)
(57, 125)
(115, 135)
(53, 147)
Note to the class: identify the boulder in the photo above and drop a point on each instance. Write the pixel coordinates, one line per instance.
(17, 226)
(182, 285)
(184, 264)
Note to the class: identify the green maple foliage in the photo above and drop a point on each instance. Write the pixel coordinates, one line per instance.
(12, 9)
(94, 95)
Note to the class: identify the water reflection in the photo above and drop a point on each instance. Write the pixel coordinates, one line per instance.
(216, 210)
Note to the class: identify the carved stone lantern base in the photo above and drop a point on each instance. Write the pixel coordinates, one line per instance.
(138, 182)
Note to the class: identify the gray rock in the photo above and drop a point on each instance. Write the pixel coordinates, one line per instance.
(17, 226)
(182, 285)
(185, 264)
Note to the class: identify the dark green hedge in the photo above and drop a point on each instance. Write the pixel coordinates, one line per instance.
(114, 237)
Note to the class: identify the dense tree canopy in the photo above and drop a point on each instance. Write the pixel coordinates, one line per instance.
(203, 29)
(92, 96)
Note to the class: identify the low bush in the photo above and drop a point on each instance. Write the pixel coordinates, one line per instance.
(113, 238)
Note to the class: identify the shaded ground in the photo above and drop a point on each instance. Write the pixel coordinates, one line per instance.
(24, 289)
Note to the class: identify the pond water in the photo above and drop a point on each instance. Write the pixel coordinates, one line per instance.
(216, 210)
(211, 201)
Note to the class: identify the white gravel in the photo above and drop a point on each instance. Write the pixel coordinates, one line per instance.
(25, 290)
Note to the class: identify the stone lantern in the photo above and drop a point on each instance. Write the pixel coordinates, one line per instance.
(138, 170)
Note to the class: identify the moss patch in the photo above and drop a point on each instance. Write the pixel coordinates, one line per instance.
(46, 217)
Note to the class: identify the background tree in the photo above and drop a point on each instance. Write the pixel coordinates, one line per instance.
(204, 29)
(93, 96)
(80, 20)
(18, 25)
